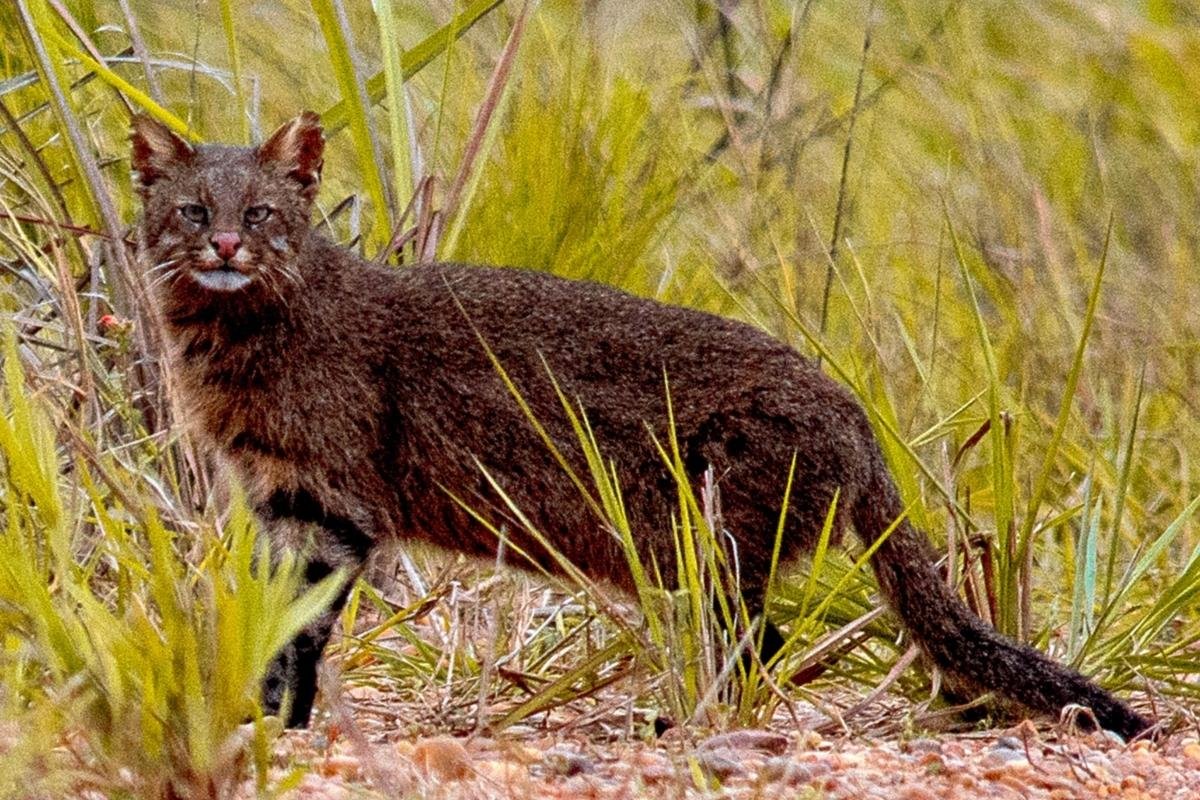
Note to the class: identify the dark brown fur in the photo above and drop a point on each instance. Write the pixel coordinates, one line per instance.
(351, 398)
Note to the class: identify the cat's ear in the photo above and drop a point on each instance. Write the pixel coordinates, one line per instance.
(156, 151)
(297, 149)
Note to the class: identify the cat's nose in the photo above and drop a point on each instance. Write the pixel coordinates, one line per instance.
(226, 243)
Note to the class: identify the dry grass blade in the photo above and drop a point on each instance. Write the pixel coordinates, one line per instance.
(60, 202)
(128, 90)
(835, 238)
(1040, 411)
(142, 52)
(1040, 485)
(235, 66)
(98, 197)
(580, 681)
(1009, 619)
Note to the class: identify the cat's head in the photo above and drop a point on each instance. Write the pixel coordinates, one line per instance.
(224, 222)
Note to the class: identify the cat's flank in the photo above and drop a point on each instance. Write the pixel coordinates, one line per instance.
(352, 400)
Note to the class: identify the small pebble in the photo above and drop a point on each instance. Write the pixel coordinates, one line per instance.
(340, 765)
(760, 741)
(505, 773)
(660, 772)
(566, 762)
(721, 764)
(1005, 756)
(921, 746)
(442, 757)
(782, 769)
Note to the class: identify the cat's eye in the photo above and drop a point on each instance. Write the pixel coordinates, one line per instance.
(257, 214)
(194, 212)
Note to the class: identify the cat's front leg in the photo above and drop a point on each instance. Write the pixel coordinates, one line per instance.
(298, 521)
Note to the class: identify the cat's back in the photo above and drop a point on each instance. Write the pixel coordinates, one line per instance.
(552, 304)
(445, 327)
(520, 311)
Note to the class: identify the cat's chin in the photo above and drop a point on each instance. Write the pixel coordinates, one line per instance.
(220, 280)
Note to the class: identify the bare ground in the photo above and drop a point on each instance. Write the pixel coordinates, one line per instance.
(372, 753)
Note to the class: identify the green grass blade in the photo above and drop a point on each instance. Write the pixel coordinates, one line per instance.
(1083, 597)
(403, 179)
(40, 38)
(339, 43)
(777, 546)
(139, 98)
(1002, 486)
(566, 686)
(1123, 479)
(835, 593)
(818, 558)
(828, 357)
(527, 412)
(1042, 482)
(414, 60)
(1153, 553)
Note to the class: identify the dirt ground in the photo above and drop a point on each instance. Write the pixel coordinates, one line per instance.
(373, 754)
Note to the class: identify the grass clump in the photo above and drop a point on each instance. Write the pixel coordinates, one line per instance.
(114, 642)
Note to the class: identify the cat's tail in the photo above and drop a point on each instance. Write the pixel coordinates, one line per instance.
(971, 653)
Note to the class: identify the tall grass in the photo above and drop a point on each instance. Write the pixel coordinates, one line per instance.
(108, 626)
(1000, 200)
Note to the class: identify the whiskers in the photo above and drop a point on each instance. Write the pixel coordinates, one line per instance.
(290, 273)
(273, 282)
(163, 272)
(282, 276)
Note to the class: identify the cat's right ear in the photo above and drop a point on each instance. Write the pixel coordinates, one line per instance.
(297, 149)
(156, 151)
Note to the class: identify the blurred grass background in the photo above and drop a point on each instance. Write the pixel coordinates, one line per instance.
(983, 217)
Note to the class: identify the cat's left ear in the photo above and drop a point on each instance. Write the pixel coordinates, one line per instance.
(297, 149)
(156, 151)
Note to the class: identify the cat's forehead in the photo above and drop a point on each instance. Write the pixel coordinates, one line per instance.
(225, 171)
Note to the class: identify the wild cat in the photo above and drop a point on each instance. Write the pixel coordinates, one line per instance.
(355, 402)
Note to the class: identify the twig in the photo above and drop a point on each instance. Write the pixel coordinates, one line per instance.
(82, 230)
(903, 663)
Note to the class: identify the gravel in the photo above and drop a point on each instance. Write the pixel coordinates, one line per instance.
(1022, 763)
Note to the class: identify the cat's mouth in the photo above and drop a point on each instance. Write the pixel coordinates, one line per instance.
(222, 279)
